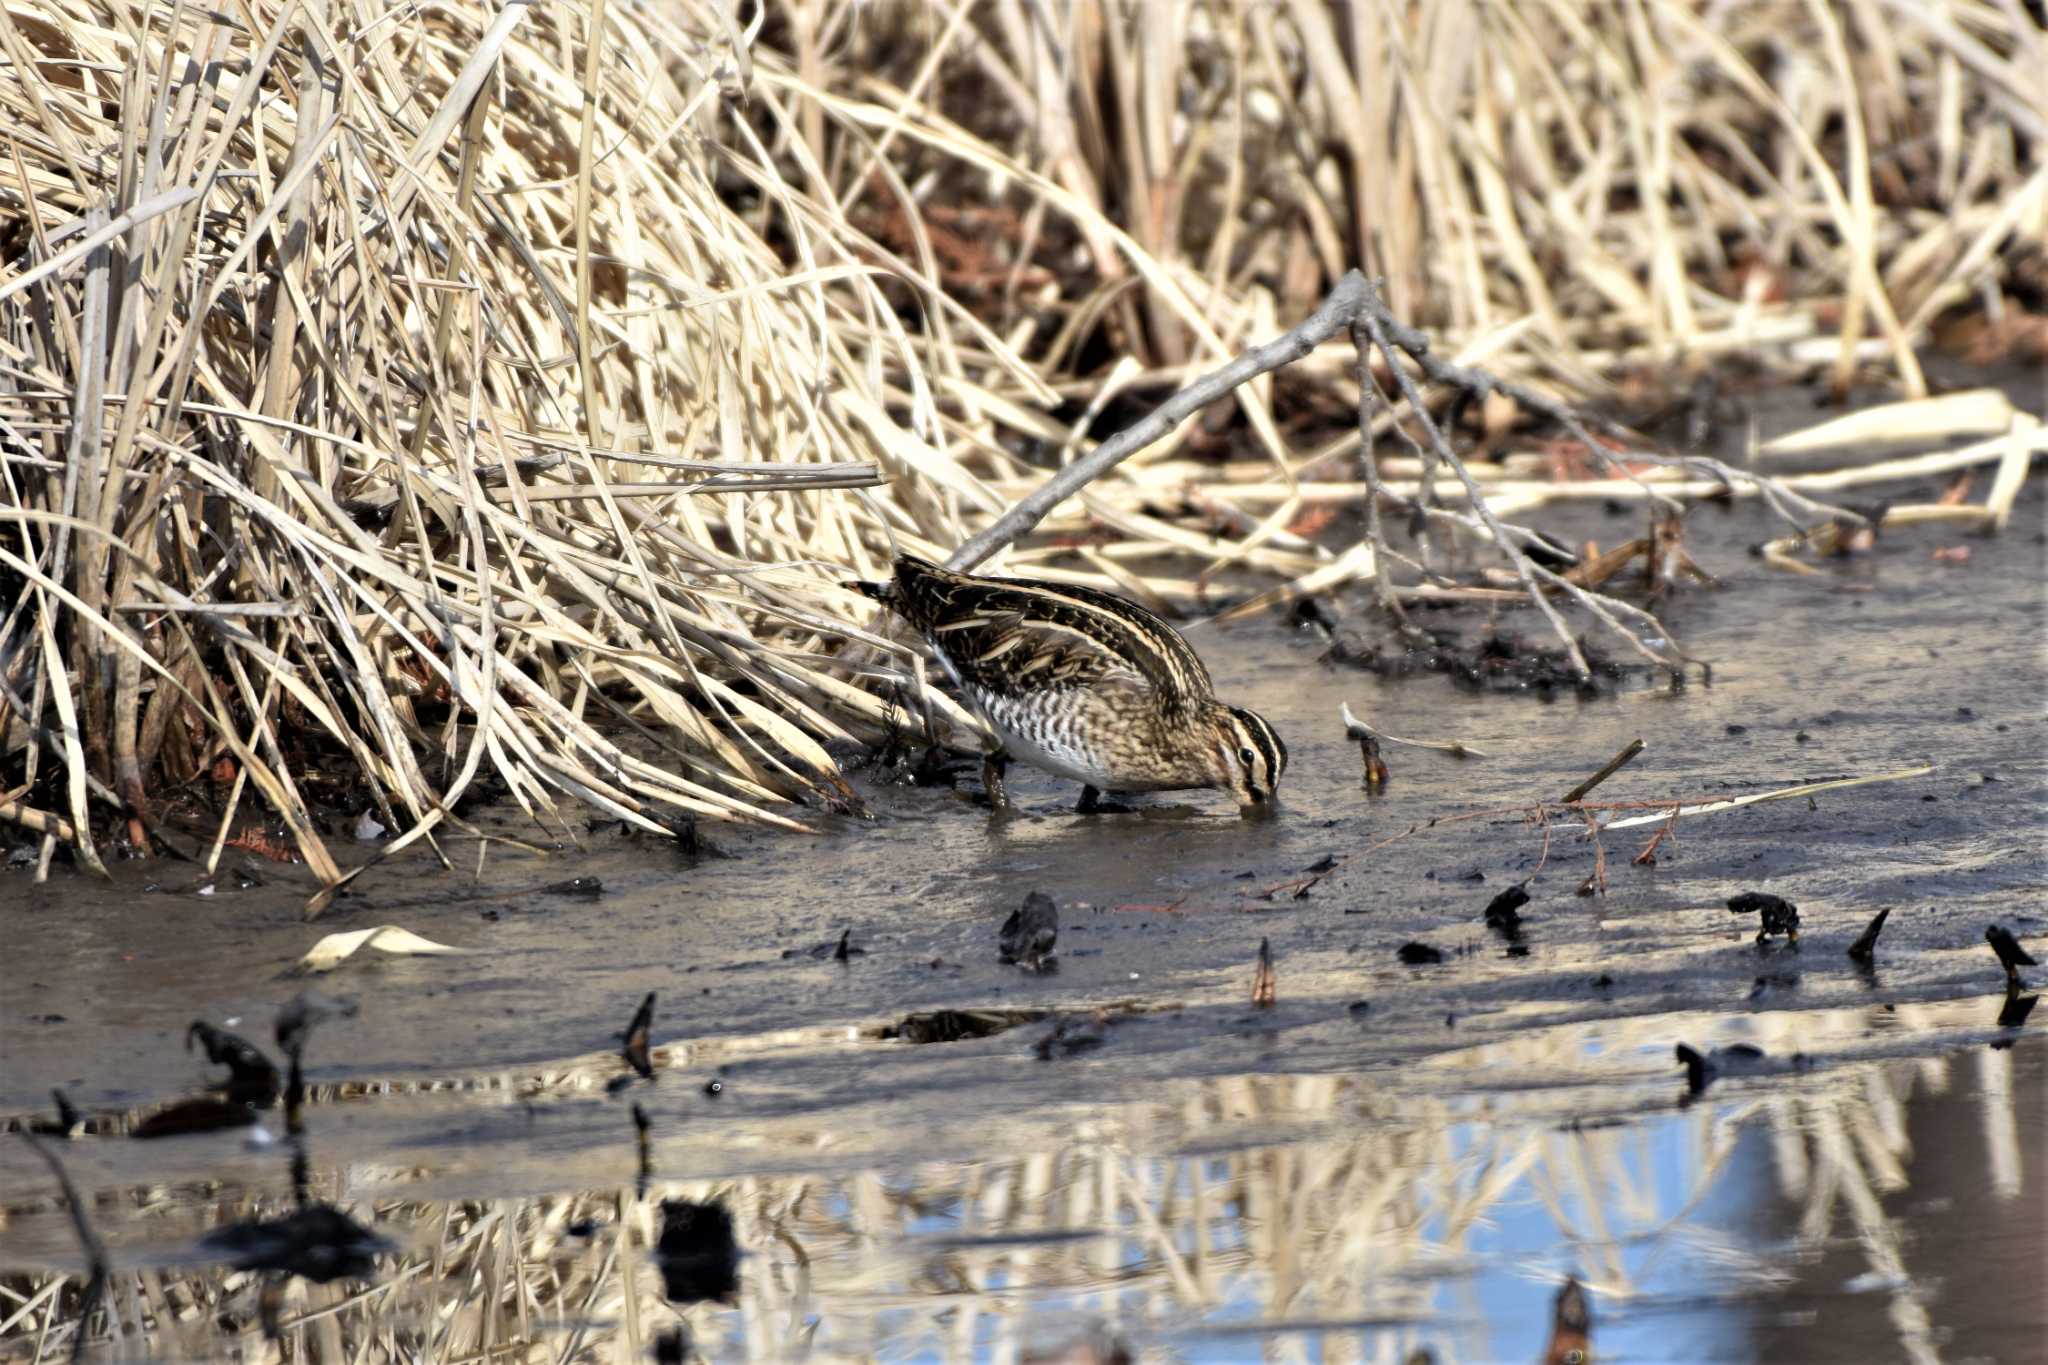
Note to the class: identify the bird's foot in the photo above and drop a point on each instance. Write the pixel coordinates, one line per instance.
(1091, 803)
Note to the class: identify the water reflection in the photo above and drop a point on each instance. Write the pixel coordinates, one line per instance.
(1883, 1201)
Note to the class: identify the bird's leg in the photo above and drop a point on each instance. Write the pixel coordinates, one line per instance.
(993, 761)
(931, 767)
(1091, 803)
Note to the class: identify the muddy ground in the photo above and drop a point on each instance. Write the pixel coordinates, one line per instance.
(1392, 1156)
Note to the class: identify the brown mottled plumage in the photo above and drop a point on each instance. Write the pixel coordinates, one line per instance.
(1084, 685)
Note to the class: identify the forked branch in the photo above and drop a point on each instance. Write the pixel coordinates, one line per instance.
(1354, 306)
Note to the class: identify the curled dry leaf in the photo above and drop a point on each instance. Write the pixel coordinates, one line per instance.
(335, 949)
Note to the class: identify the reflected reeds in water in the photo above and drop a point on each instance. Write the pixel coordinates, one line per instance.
(1356, 1216)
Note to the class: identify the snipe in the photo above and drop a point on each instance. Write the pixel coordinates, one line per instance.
(1085, 685)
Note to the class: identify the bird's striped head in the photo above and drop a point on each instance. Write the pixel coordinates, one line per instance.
(1250, 756)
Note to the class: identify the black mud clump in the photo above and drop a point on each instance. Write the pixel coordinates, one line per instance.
(1864, 950)
(904, 754)
(1504, 913)
(2011, 955)
(253, 1078)
(1419, 954)
(1491, 662)
(1776, 916)
(1703, 1069)
(953, 1026)
(199, 1114)
(1071, 1035)
(1028, 935)
(692, 844)
(841, 949)
(697, 1255)
(634, 1049)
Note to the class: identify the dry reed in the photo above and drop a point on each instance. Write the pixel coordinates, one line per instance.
(405, 394)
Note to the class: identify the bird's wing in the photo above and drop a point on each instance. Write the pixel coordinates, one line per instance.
(1022, 635)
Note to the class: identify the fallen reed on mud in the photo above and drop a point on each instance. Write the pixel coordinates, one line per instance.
(402, 407)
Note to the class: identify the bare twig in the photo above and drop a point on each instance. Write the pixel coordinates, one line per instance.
(1607, 770)
(1368, 458)
(1354, 728)
(1344, 303)
(1354, 306)
(1383, 330)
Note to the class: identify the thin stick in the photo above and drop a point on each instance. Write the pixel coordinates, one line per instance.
(1368, 458)
(1344, 303)
(1355, 306)
(1736, 802)
(1607, 770)
(1354, 728)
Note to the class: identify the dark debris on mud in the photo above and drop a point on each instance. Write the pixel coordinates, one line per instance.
(952, 1026)
(1028, 935)
(1776, 916)
(253, 1079)
(1490, 661)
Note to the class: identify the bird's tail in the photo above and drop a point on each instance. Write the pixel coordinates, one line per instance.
(885, 593)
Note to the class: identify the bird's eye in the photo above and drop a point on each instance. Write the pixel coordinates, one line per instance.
(1248, 756)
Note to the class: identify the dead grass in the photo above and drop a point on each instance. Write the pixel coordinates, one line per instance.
(353, 422)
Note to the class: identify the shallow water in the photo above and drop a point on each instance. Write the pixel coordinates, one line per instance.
(1880, 1202)
(1391, 1157)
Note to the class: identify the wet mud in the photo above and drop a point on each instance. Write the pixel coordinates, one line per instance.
(1374, 1074)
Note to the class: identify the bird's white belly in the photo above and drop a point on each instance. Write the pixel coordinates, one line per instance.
(1050, 737)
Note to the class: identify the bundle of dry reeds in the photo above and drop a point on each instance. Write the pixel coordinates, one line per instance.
(397, 403)
(415, 395)
(1583, 186)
